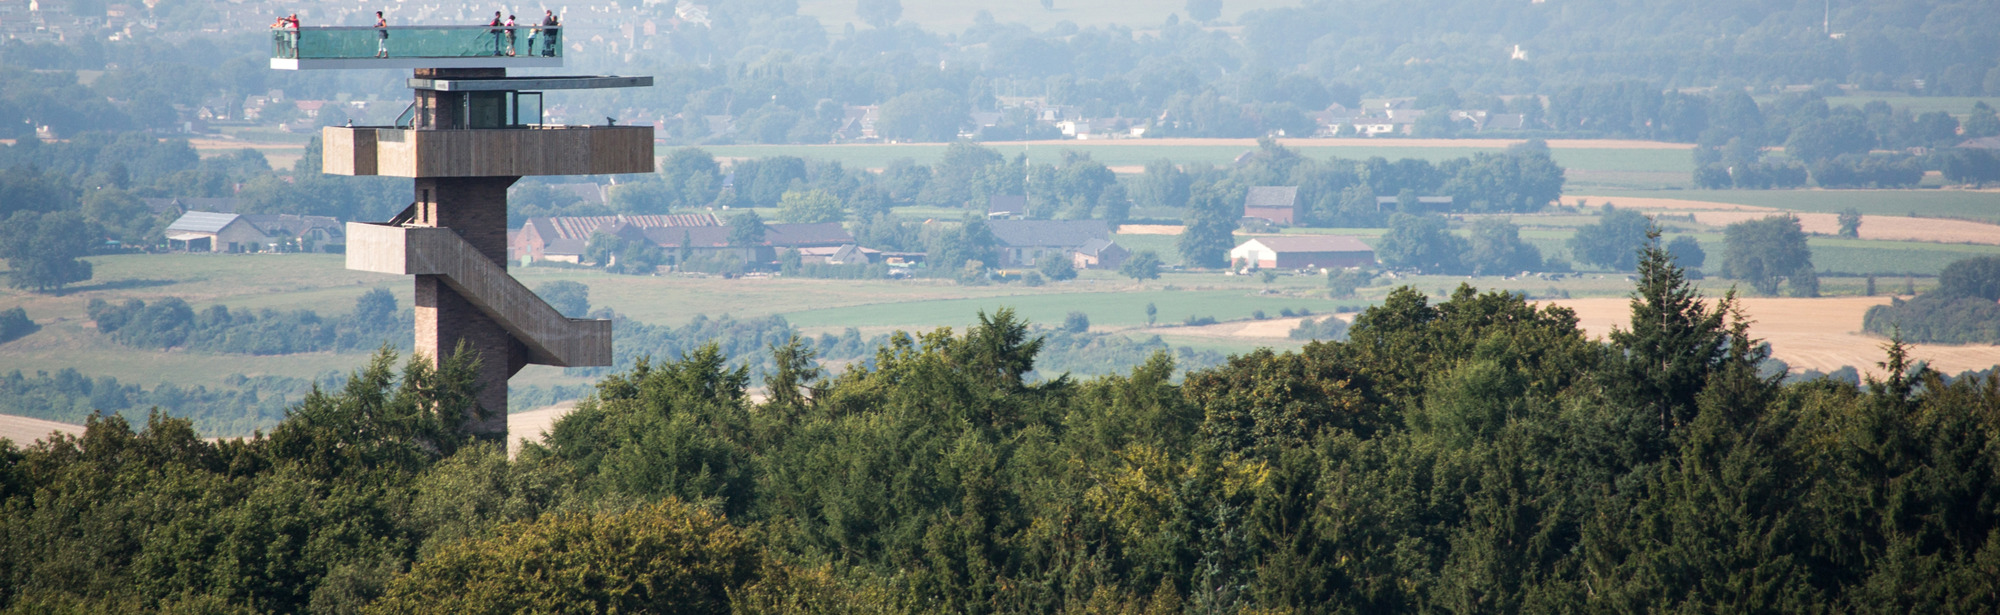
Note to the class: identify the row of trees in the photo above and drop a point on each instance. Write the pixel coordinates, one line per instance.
(170, 323)
(1832, 146)
(1476, 454)
(1963, 309)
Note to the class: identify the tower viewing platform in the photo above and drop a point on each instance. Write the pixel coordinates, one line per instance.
(469, 133)
(411, 47)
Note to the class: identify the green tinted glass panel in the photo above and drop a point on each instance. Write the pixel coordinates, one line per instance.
(415, 42)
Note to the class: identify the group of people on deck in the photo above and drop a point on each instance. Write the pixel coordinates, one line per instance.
(503, 31)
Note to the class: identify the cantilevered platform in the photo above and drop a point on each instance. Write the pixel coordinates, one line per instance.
(499, 152)
(415, 47)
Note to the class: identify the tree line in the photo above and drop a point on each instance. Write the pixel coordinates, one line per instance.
(170, 323)
(1479, 453)
(1963, 309)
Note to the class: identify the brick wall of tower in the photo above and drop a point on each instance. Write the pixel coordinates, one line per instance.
(476, 209)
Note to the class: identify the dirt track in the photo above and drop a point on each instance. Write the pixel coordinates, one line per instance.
(1822, 334)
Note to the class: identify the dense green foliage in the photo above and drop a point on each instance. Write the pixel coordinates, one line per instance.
(1328, 329)
(244, 404)
(1478, 454)
(571, 299)
(1768, 252)
(1963, 309)
(171, 323)
(1422, 243)
(45, 251)
(15, 324)
(1613, 242)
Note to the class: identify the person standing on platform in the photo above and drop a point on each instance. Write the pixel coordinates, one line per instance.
(549, 34)
(381, 35)
(510, 36)
(497, 33)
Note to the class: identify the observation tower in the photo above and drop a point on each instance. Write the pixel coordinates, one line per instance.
(470, 132)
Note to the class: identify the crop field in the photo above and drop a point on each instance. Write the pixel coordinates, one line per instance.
(1966, 204)
(1821, 334)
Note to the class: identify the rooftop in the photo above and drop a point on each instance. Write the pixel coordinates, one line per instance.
(1313, 243)
(1271, 196)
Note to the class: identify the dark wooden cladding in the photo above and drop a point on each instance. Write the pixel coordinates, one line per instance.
(510, 152)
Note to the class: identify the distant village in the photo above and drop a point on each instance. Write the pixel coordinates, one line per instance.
(211, 225)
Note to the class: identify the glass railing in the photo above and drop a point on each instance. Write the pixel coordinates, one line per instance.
(349, 43)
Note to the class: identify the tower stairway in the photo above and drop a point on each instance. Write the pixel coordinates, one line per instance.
(549, 337)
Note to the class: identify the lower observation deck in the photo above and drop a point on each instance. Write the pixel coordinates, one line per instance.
(410, 47)
(497, 152)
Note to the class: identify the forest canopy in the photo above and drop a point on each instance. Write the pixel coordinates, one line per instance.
(1478, 453)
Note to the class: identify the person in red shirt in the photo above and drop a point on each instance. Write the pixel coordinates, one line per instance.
(498, 34)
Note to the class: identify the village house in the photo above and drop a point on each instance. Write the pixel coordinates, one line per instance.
(849, 254)
(1099, 254)
(204, 231)
(1303, 252)
(1024, 243)
(1276, 204)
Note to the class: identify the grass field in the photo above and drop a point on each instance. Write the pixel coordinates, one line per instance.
(1958, 106)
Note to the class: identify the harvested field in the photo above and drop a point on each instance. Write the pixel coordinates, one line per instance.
(24, 431)
(1275, 328)
(1822, 334)
(1886, 228)
(533, 424)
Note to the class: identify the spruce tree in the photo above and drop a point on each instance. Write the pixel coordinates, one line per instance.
(1675, 340)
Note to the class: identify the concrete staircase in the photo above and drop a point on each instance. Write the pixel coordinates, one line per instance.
(551, 338)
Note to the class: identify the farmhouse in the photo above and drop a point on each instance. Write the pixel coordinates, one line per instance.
(849, 254)
(1304, 251)
(204, 231)
(1025, 242)
(1099, 254)
(1273, 203)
